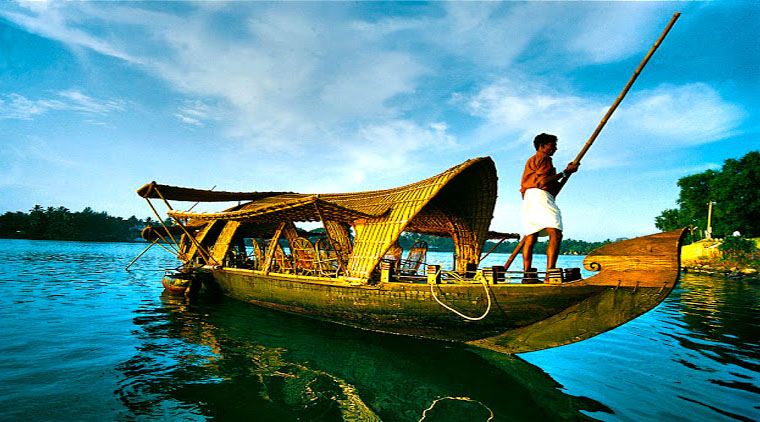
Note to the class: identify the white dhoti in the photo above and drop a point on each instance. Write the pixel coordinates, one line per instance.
(539, 212)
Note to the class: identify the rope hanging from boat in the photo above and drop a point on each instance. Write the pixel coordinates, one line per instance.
(424, 412)
(468, 318)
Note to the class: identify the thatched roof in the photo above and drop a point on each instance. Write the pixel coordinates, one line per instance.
(458, 202)
(289, 207)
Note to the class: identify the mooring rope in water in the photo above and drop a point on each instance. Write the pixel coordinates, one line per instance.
(424, 412)
(469, 318)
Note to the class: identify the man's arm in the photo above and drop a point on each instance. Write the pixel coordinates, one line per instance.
(547, 181)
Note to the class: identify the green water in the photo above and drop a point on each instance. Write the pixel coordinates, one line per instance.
(85, 340)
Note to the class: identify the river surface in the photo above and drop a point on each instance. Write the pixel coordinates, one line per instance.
(83, 339)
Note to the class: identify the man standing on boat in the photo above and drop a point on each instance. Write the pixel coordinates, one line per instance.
(539, 186)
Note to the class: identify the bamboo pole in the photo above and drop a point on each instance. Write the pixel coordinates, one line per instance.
(327, 235)
(604, 120)
(492, 248)
(159, 218)
(514, 254)
(196, 204)
(166, 249)
(141, 254)
(204, 254)
(174, 249)
(272, 247)
(620, 97)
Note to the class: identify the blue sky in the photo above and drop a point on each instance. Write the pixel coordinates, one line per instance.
(99, 98)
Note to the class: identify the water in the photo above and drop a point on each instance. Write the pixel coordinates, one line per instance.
(82, 339)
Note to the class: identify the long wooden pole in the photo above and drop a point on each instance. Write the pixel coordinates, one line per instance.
(491, 250)
(620, 97)
(604, 120)
(141, 254)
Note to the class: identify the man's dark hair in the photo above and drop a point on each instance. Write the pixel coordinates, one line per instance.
(542, 139)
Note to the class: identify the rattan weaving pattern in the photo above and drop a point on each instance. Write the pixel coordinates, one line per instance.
(458, 202)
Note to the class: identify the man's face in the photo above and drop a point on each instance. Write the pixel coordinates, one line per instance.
(548, 149)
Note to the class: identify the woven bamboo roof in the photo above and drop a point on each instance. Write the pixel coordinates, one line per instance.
(290, 207)
(458, 203)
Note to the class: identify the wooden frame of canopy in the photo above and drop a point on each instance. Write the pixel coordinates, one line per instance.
(458, 203)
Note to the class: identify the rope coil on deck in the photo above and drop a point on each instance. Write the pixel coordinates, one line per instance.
(468, 318)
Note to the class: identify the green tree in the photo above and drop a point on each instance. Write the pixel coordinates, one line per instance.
(13, 225)
(60, 223)
(670, 219)
(734, 191)
(37, 223)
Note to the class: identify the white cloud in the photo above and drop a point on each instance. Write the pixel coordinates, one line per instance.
(291, 77)
(188, 120)
(56, 21)
(17, 106)
(610, 32)
(197, 113)
(340, 97)
(36, 149)
(84, 103)
(488, 32)
(288, 77)
(684, 115)
(660, 119)
(518, 108)
(380, 153)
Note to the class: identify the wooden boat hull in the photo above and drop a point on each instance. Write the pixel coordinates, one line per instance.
(522, 317)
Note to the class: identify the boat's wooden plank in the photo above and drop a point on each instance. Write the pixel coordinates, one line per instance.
(406, 308)
(648, 261)
(595, 315)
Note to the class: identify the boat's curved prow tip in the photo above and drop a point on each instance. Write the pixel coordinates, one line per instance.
(643, 261)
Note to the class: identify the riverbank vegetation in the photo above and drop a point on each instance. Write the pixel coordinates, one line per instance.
(733, 257)
(446, 244)
(734, 192)
(61, 224)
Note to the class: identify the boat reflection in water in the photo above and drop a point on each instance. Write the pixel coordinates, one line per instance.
(223, 359)
(700, 348)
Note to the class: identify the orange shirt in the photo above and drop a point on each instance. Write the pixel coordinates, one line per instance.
(537, 168)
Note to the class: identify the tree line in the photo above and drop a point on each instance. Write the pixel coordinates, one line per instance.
(735, 195)
(60, 223)
(446, 244)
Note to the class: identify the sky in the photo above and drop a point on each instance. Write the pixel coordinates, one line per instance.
(99, 98)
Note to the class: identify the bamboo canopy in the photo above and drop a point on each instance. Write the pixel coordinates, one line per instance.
(457, 203)
(154, 190)
(151, 233)
(287, 207)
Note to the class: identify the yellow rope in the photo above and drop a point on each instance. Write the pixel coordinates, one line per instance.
(424, 412)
